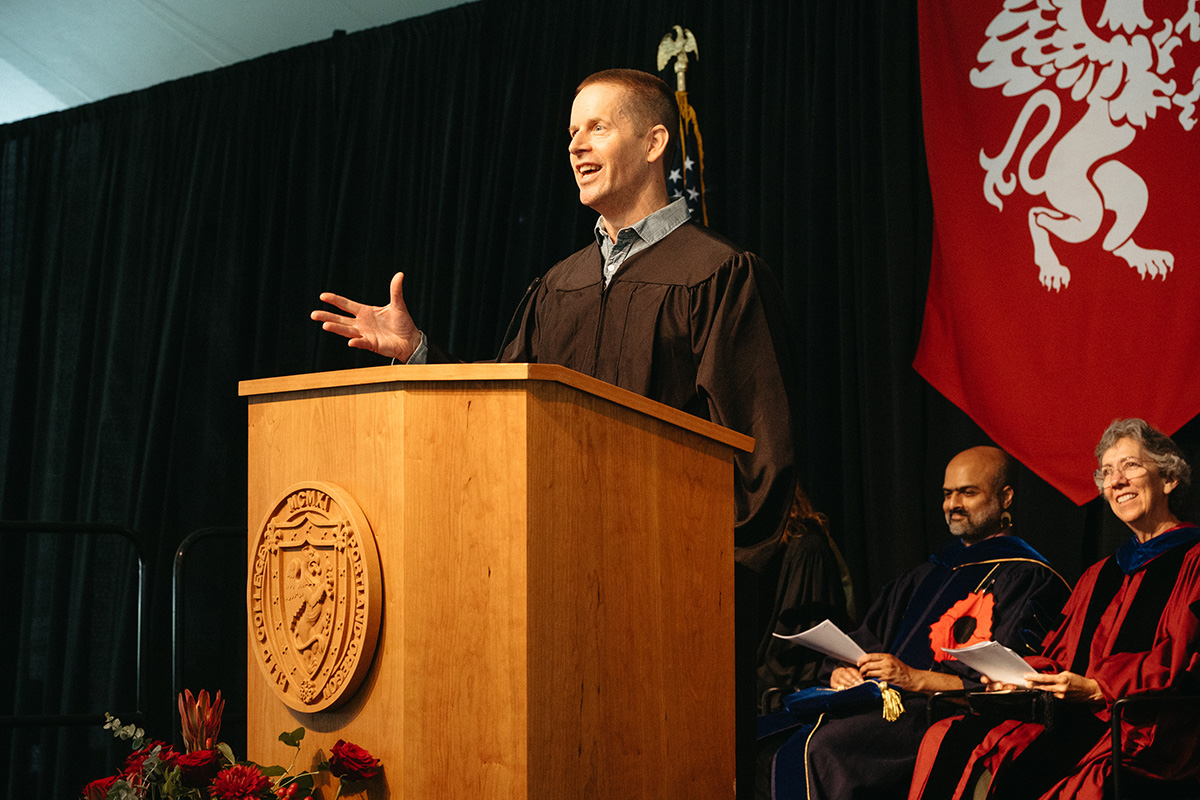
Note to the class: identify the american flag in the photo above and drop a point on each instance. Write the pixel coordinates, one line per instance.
(686, 178)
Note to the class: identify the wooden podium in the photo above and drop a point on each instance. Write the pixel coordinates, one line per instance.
(557, 580)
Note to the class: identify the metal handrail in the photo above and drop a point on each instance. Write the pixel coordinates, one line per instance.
(142, 649)
(177, 615)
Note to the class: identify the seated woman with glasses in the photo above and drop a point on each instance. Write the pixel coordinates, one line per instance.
(1130, 627)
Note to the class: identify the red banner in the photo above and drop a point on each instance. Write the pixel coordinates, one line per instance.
(1063, 157)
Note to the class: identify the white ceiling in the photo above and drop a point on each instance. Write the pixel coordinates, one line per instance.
(57, 54)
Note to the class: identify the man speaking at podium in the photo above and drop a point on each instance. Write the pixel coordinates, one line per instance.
(658, 305)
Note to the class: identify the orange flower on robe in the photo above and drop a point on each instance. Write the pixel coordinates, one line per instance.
(967, 622)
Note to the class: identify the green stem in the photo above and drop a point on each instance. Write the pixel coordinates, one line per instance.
(285, 779)
(287, 773)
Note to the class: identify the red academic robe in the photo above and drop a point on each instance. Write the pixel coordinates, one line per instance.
(1110, 635)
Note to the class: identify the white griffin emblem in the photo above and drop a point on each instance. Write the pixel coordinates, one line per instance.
(1123, 80)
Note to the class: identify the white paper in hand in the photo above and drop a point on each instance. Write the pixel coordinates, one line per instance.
(994, 660)
(828, 639)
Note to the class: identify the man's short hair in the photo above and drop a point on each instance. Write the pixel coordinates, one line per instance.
(651, 102)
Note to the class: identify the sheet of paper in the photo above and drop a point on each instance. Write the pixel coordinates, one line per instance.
(993, 660)
(828, 639)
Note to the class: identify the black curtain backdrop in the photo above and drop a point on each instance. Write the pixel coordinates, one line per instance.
(158, 247)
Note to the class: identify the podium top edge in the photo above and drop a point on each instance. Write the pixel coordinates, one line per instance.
(396, 373)
(428, 373)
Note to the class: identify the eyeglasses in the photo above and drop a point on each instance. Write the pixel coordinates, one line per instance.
(1129, 468)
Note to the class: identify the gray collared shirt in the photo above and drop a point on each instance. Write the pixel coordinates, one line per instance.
(638, 236)
(634, 239)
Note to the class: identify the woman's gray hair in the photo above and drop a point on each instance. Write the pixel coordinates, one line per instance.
(1165, 454)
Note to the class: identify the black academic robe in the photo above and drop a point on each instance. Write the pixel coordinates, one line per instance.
(811, 588)
(997, 589)
(695, 323)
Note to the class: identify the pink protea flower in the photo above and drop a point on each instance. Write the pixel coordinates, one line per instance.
(200, 720)
(241, 782)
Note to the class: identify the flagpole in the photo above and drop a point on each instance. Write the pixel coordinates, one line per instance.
(676, 45)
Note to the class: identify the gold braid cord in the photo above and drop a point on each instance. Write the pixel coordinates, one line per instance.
(687, 116)
(892, 707)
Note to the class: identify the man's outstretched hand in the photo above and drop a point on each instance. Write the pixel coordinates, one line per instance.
(388, 330)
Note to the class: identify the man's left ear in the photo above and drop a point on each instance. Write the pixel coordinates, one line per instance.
(1006, 497)
(658, 138)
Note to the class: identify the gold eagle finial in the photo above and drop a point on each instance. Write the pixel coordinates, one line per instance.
(677, 45)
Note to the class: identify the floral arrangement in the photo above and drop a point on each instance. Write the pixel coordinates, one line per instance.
(208, 770)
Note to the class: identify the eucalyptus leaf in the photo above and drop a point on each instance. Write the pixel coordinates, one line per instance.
(173, 783)
(121, 790)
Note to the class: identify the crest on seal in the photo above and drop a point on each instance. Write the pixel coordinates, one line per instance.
(314, 596)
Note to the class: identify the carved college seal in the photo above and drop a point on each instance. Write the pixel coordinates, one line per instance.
(314, 596)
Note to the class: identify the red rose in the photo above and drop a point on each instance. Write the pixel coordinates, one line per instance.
(240, 783)
(98, 789)
(348, 761)
(168, 756)
(132, 767)
(197, 769)
(135, 764)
